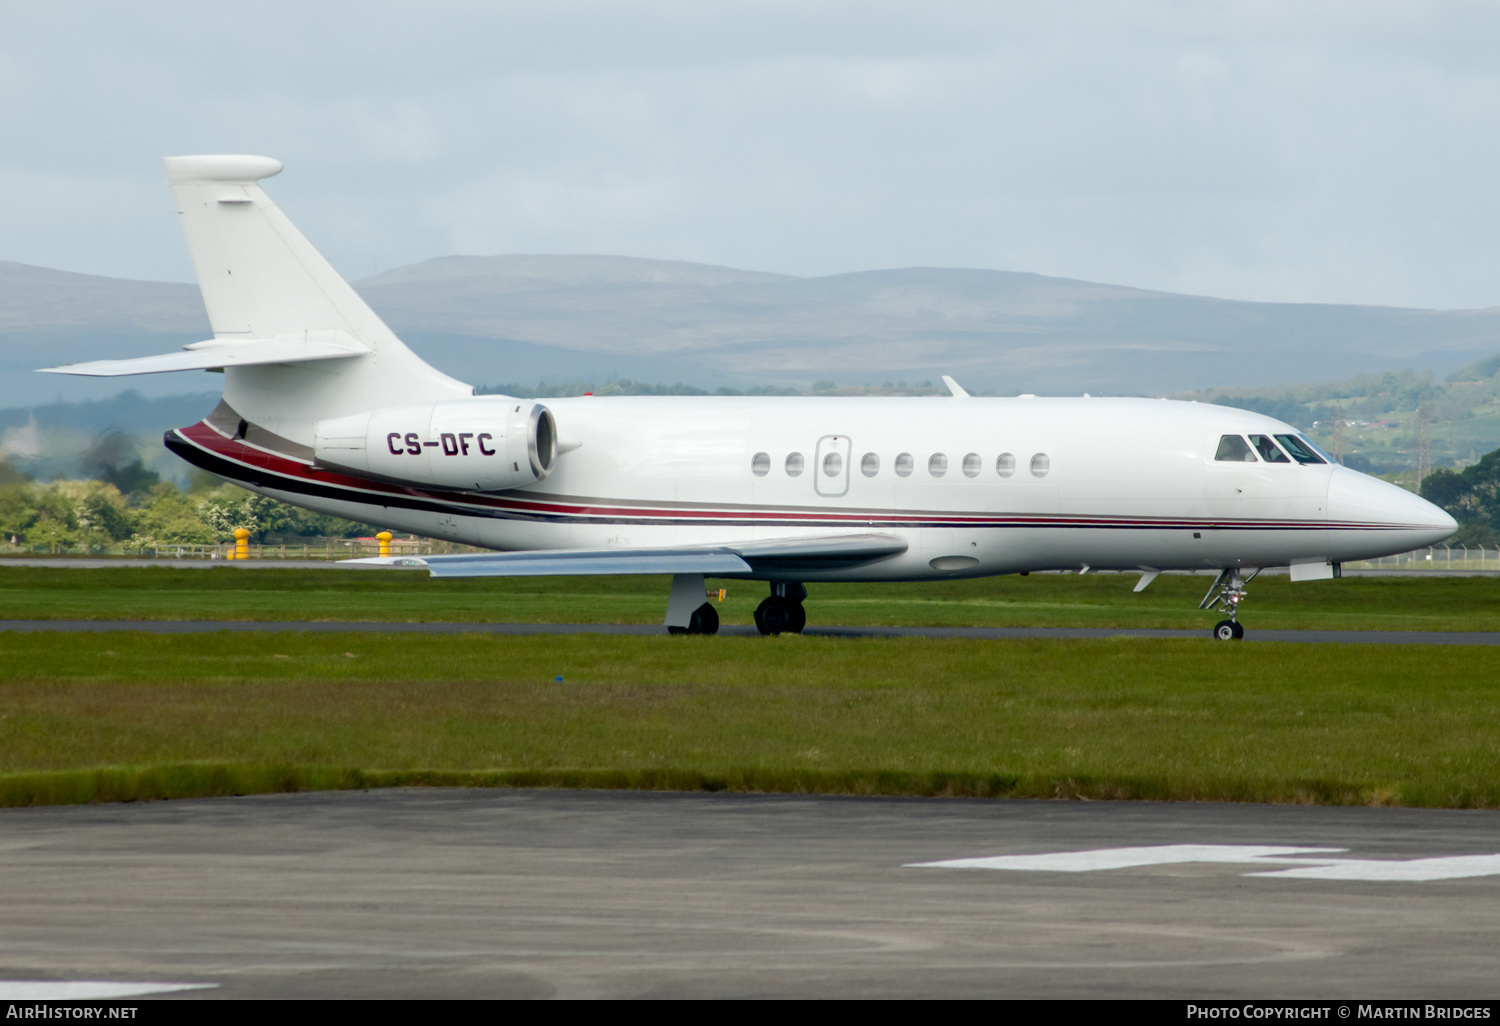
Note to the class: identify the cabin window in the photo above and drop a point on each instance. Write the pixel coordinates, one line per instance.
(833, 465)
(1005, 464)
(972, 464)
(904, 465)
(1301, 451)
(869, 465)
(1040, 464)
(760, 466)
(937, 464)
(1232, 449)
(794, 465)
(1267, 449)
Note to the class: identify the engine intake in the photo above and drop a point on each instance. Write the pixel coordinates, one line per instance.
(484, 444)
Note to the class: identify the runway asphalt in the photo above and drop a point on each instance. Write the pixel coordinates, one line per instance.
(475, 893)
(643, 630)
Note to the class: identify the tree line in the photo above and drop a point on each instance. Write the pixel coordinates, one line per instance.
(147, 513)
(1472, 497)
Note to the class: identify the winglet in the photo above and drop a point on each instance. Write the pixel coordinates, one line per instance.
(955, 388)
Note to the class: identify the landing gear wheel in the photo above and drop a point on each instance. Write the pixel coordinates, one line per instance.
(780, 616)
(705, 620)
(1229, 630)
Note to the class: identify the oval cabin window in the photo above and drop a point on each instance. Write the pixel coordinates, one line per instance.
(794, 465)
(1005, 464)
(937, 464)
(1040, 464)
(972, 463)
(904, 465)
(869, 465)
(833, 465)
(760, 466)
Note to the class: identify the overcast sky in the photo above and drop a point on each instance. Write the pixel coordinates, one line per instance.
(1327, 152)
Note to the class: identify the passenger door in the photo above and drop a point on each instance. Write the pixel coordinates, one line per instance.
(831, 466)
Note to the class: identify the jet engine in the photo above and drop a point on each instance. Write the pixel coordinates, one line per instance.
(482, 444)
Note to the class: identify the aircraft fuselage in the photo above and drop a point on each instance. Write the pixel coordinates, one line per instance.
(975, 486)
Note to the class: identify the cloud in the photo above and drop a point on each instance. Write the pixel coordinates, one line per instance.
(1337, 152)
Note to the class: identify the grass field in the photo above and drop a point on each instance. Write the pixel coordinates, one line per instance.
(131, 716)
(1040, 600)
(124, 716)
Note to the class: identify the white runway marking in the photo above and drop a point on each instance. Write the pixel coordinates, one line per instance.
(1126, 858)
(1453, 867)
(1317, 867)
(86, 990)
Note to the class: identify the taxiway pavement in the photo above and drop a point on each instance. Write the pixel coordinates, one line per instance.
(497, 893)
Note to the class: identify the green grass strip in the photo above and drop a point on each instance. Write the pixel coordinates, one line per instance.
(155, 783)
(134, 716)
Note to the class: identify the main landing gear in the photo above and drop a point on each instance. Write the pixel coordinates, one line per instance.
(782, 613)
(704, 620)
(687, 613)
(1225, 596)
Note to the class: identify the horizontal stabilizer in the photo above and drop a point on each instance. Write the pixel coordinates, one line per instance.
(219, 353)
(789, 554)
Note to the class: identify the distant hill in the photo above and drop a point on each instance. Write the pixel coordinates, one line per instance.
(571, 318)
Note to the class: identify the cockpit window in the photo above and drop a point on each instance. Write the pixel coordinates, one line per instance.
(1267, 449)
(1301, 451)
(1232, 449)
(1315, 447)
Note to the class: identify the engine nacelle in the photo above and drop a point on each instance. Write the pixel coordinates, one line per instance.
(483, 444)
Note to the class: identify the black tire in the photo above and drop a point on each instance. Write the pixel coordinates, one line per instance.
(799, 618)
(1228, 630)
(705, 620)
(1239, 630)
(776, 616)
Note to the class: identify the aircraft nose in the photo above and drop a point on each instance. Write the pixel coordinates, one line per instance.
(1358, 499)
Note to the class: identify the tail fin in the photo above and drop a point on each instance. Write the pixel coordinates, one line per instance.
(260, 277)
(295, 342)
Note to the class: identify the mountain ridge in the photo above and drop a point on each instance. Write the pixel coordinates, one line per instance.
(523, 317)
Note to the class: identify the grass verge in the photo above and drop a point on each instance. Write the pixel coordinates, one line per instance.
(132, 716)
(206, 780)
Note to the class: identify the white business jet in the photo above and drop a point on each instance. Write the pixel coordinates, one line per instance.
(324, 407)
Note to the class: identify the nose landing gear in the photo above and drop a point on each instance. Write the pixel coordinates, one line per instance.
(1229, 630)
(782, 613)
(1225, 596)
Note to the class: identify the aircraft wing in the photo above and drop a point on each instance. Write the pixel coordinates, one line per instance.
(744, 558)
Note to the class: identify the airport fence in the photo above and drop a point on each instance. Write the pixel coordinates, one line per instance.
(1444, 558)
